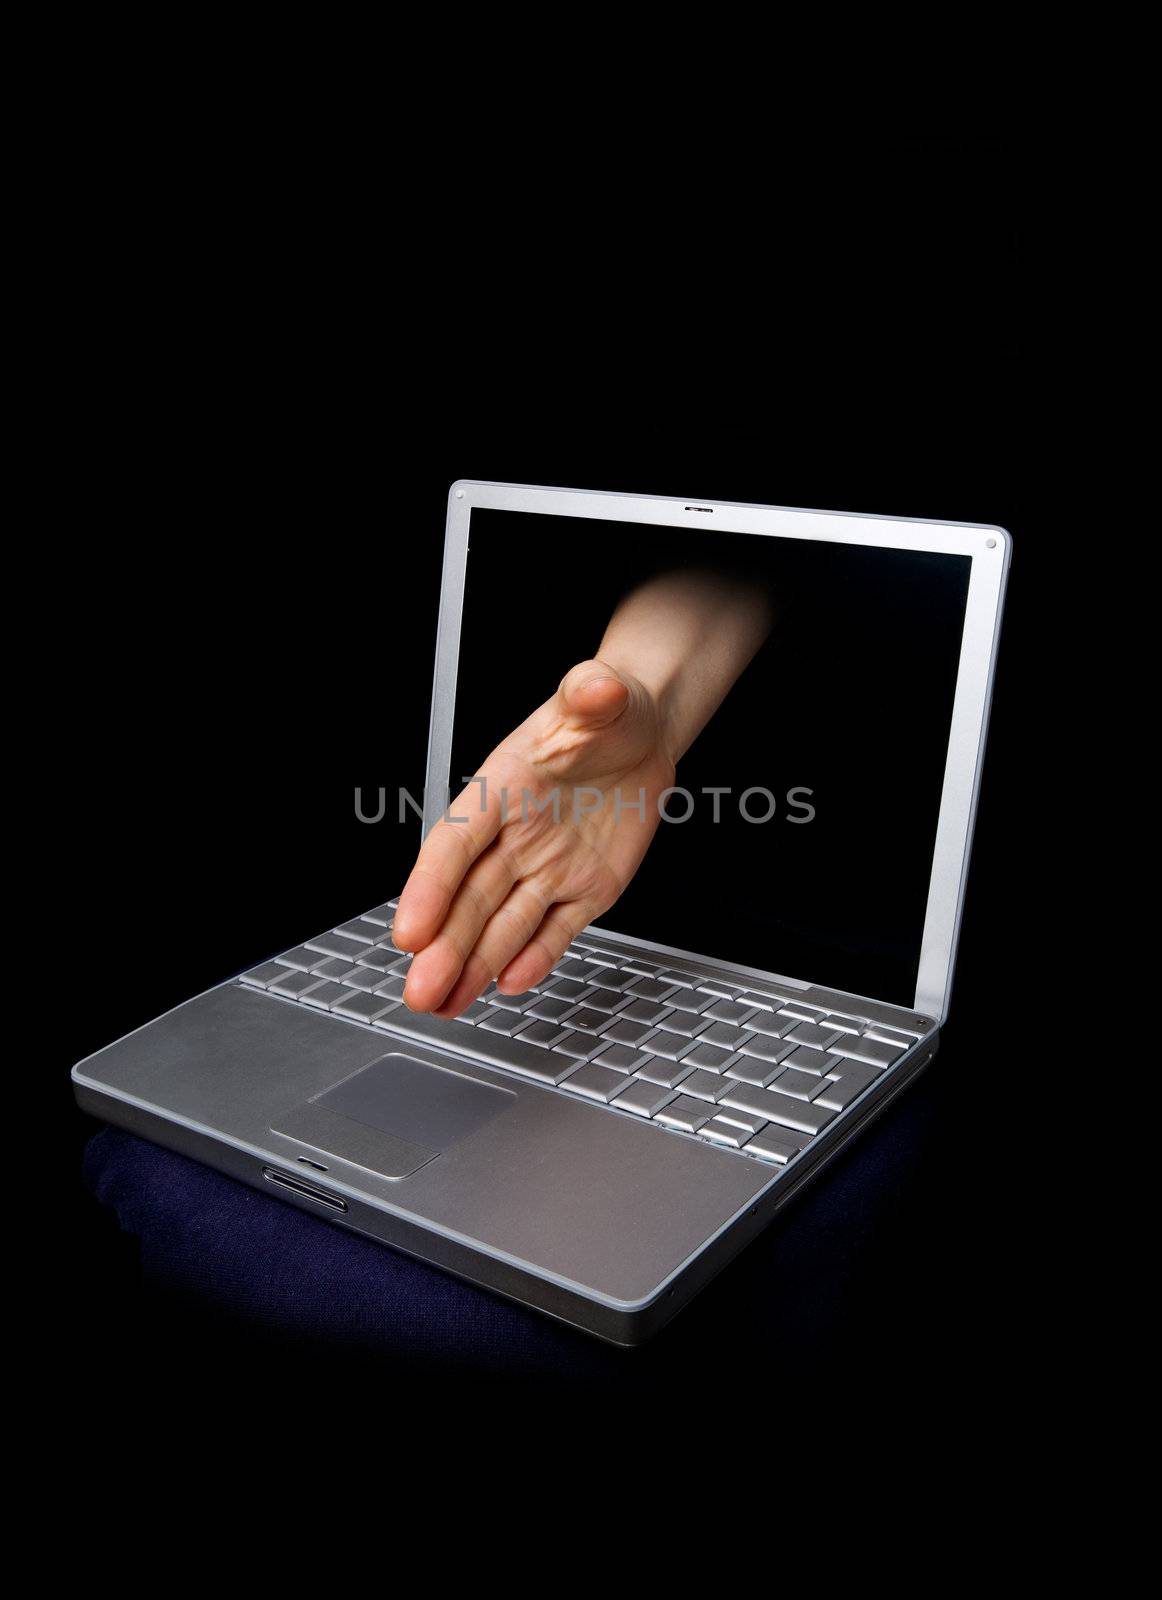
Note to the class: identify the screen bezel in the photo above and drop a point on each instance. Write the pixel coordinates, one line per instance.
(989, 549)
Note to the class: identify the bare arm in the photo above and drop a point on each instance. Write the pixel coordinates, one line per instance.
(686, 637)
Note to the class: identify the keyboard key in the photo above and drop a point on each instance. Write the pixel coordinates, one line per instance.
(341, 972)
(392, 988)
(729, 1011)
(644, 969)
(595, 1083)
(620, 979)
(842, 1024)
(621, 1032)
(574, 969)
(805, 1059)
(324, 995)
(608, 1000)
(687, 1114)
(364, 1007)
(888, 1035)
(773, 1144)
(472, 1013)
(843, 1086)
(378, 956)
(578, 1045)
(749, 1069)
(549, 1009)
(567, 989)
(742, 1119)
(587, 1020)
(803, 1085)
(762, 1001)
(650, 988)
(294, 984)
(707, 1056)
(656, 1069)
(498, 1021)
(765, 1049)
(335, 968)
(259, 977)
(400, 966)
(671, 1045)
(683, 979)
(725, 1036)
(513, 1002)
(643, 1099)
(361, 929)
(543, 1034)
(647, 1011)
(747, 1097)
(724, 1132)
(600, 958)
(691, 1000)
(301, 958)
(872, 1051)
(620, 1058)
(724, 991)
(772, 1025)
(335, 944)
(808, 1033)
(382, 915)
(705, 1085)
(684, 1023)
(800, 1012)
(358, 977)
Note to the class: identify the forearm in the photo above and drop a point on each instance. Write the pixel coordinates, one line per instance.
(686, 637)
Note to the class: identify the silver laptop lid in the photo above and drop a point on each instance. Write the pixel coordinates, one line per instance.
(849, 752)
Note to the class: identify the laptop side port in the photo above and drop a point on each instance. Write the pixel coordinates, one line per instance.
(287, 1180)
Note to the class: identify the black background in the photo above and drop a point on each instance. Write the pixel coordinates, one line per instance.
(243, 628)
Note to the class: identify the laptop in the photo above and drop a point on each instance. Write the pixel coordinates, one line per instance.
(777, 971)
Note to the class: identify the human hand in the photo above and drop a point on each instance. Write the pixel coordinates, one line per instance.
(502, 892)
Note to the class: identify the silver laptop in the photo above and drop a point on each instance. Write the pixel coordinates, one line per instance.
(779, 969)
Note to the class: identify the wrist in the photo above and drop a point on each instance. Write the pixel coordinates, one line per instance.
(654, 692)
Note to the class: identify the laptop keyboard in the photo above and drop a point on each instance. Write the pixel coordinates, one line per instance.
(746, 1068)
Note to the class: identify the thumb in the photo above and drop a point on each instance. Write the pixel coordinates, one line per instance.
(594, 693)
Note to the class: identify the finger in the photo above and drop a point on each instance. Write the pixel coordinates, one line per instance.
(593, 693)
(548, 944)
(507, 931)
(438, 965)
(444, 858)
(470, 985)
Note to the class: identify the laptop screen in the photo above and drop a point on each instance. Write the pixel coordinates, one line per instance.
(828, 752)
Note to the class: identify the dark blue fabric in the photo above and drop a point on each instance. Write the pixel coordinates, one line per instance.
(240, 1251)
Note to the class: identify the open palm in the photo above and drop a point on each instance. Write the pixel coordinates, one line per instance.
(551, 830)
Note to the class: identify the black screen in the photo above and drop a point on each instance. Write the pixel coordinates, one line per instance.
(845, 709)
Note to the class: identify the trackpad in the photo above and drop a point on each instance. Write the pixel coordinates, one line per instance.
(394, 1115)
(405, 1097)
